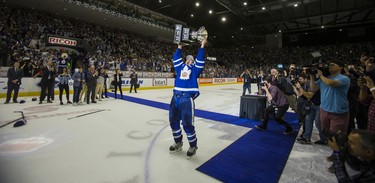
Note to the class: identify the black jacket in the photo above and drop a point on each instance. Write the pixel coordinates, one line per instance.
(14, 75)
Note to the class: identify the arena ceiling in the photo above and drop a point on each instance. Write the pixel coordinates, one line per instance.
(245, 24)
(248, 21)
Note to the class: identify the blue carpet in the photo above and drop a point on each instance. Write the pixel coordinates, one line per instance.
(258, 156)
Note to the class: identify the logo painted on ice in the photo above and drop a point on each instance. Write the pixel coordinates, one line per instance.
(24, 145)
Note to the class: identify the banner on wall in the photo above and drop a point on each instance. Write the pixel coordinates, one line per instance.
(205, 80)
(159, 82)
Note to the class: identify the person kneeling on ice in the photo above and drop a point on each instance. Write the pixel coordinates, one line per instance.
(182, 104)
(278, 104)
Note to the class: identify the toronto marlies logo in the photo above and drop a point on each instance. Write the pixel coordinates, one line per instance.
(185, 73)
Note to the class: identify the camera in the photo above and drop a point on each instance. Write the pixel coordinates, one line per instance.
(313, 69)
(341, 141)
(294, 82)
(261, 84)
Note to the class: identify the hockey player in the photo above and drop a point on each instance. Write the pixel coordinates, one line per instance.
(182, 104)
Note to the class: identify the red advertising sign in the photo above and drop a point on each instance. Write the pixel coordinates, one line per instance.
(205, 80)
(62, 41)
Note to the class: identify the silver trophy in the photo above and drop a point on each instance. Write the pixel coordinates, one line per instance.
(185, 36)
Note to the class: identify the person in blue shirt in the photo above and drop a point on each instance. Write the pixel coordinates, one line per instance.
(182, 104)
(334, 106)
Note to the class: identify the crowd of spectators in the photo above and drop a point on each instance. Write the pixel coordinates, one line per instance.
(23, 32)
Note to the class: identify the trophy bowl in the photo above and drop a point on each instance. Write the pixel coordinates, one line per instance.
(200, 35)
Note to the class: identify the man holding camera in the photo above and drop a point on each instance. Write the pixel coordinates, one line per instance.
(278, 104)
(246, 81)
(303, 106)
(334, 106)
(358, 150)
(47, 82)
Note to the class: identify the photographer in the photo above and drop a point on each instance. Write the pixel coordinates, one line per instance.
(368, 83)
(286, 86)
(279, 105)
(360, 148)
(303, 106)
(47, 82)
(246, 81)
(334, 106)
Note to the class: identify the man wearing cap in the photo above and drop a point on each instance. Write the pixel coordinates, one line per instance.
(334, 106)
(182, 104)
(14, 75)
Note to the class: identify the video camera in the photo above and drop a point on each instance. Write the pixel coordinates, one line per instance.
(313, 69)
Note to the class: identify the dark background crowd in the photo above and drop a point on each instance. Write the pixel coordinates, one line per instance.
(23, 33)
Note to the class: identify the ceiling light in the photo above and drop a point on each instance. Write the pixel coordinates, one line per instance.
(223, 19)
(340, 30)
(306, 33)
(275, 35)
(296, 5)
(263, 8)
(241, 28)
(159, 1)
(232, 36)
(245, 3)
(279, 30)
(210, 11)
(322, 26)
(192, 15)
(197, 4)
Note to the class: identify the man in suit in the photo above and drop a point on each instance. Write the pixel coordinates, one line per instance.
(91, 81)
(47, 82)
(14, 75)
(133, 81)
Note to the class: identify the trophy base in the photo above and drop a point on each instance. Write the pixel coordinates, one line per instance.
(185, 43)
